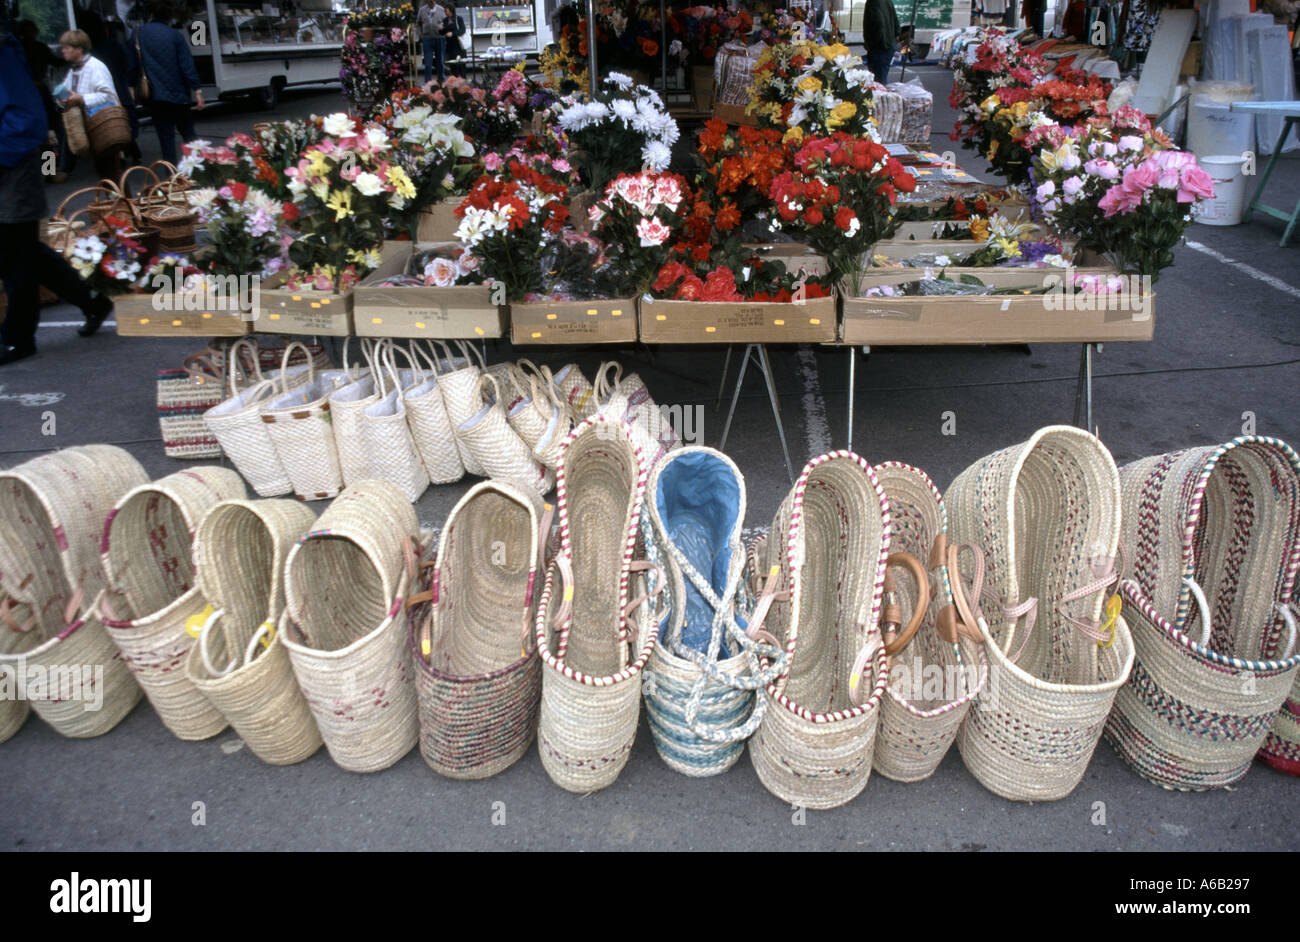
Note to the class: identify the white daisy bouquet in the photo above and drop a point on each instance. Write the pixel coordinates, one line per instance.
(625, 129)
(111, 263)
(345, 187)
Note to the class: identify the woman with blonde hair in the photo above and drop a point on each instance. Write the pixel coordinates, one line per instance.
(89, 85)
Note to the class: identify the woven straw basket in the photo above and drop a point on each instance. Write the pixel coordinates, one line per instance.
(825, 559)
(345, 625)
(299, 425)
(597, 636)
(461, 395)
(13, 711)
(478, 677)
(239, 664)
(938, 669)
(576, 390)
(1046, 515)
(1201, 700)
(426, 413)
(700, 681)
(1281, 749)
(497, 448)
(352, 394)
(153, 596)
(386, 434)
(52, 512)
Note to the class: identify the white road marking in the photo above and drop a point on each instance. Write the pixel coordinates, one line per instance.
(74, 324)
(817, 432)
(32, 399)
(1270, 280)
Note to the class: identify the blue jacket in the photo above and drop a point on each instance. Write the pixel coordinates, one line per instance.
(167, 62)
(23, 123)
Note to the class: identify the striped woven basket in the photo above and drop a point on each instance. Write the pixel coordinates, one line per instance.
(700, 682)
(1281, 749)
(596, 638)
(344, 625)
(154, 607)
(1216, 538)
(52, 512)
(239, 664)
(576, 390)
(939, 667)
(1045, 514)
(824, 563)
(478, 677)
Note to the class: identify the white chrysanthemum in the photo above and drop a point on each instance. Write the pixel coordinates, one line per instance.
(624, 109)
(201, 197)
(619, 80)
(857, 76)
(656, 156)
(338, 125)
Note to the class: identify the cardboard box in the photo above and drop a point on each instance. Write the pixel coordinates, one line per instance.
(136, 316)
(733, 114)
(812, 321)
(309, 313)
(462, 311)
(574, 322)
(904, 248)
(702, 79)
(795, 255)
(439, 222)
(1033, 318)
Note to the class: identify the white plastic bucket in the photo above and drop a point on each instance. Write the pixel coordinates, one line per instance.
(1229, 201)
(1214, 128)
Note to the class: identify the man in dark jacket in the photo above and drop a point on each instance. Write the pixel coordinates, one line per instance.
(110, 50)
(879, 33)
(26, 262)
(165, 57)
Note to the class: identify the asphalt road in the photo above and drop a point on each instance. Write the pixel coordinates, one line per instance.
(1226, 352)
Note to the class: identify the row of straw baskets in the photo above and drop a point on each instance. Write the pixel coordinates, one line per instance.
(868, 583)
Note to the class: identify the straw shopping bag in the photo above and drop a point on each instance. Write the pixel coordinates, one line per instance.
(14, 641)
(461, 394)
(354, 390)
(700, 681)
(530, 414)
(1215, 533)
(426, 413)
(627, 400)
(184, 397)
(386, 435)
(239, 664)
(153, 599)
(1046, 516)
(824, 565)
(937, 663)
(477, 674)
(52, 511)
(576, 390)
(496, 448)
(596, 636)
(344, 625)
(1281, 749)
(299, 425)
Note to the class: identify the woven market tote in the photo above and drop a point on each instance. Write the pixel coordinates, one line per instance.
(239, 664)
(938, 668)
(478, 677)
(13, 709)
(344, 625)
(237, 424)
(184, 397)
(299, 425)
(576, 390)
(497, 449)
(824, 561)
(52, 512)
(353, 392)
(1216, 538)
(1046, 516)
(1281, 749)
(700, 682)
(426, 413)
(386, 434)
(153, 599)
(596, 636)
(461, 393)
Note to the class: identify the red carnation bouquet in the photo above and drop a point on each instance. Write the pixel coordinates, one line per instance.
(638, 219)
(840, 198)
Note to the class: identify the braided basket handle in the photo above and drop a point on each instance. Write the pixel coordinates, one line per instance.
(284, 364)
(58, 213)
(892, 612)
(123, 186)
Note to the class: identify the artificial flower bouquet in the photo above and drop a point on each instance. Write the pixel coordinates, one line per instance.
(345, 186)
(623, 130)
(382, 17)
(111, 262)
(840, 198)
(638, 219)
(373, 68)
(1001, 67)
(944, 285)
(249, 232)
(432, 150)
(1120, 187)
(489, 121)
(807, 90)
(736, 167)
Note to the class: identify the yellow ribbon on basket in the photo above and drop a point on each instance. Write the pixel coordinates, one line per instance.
(194, 624)
(270, 633)
(1113, 606)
